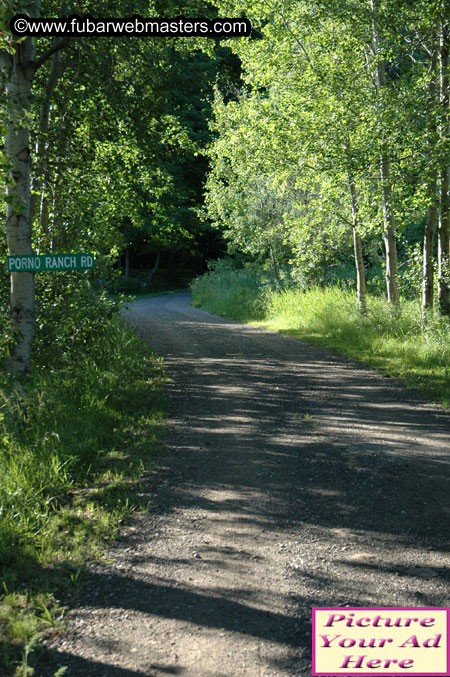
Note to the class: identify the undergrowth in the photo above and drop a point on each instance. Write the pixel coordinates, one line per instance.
(396, 341)
(237, 294)
(76, 443)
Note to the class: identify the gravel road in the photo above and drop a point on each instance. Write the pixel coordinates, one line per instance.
(291, 478)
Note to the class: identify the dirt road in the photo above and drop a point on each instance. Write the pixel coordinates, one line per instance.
(291, 478)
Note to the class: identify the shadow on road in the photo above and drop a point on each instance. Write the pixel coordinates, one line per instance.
(344, 467)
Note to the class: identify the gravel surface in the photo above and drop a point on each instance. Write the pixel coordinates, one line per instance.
(291, 478)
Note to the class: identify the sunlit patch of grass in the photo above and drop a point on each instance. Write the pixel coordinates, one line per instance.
(396, 341)
(238, 295)
(24, 619)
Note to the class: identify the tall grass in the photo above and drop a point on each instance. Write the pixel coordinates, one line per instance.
(237, 294)
(74, 448)
(396, 341)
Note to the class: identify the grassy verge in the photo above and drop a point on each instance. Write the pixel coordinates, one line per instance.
(394, 341)
(238, 294)
(74, 451)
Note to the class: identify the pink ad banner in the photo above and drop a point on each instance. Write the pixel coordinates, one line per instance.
(362, 641)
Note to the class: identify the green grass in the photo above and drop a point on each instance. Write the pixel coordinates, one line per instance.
(395, 341)
(74, 451)
(238, 294)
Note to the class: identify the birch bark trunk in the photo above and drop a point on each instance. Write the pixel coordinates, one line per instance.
(39, 180)
(386, 181)
(430, 226)
(444, 213)
(18, 222)
(357, 244)
(18, 73)
(357, 247)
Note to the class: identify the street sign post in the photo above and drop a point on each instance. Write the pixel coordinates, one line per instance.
(35, 263)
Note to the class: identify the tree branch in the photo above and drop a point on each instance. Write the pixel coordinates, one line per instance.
(46, 55)
(296, 38)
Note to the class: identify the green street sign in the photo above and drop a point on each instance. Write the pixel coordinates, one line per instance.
(47, 262)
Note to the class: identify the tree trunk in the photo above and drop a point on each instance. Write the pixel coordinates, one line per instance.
(276, 273)
(444, 214)
(39, 180)
(428, 245)
(390, 244)
(430, 227)
(357, 247)
(18, 71)
(18, 224)
(385, 171)
(127, 263)
(153, 270)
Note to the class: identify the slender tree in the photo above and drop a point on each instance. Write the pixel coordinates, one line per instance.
(385, 172)
(357, 245)
(444, 212)
(431, 221)
(18, 71)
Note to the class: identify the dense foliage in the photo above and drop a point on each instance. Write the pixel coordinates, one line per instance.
(338, 139)
(117, 130)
